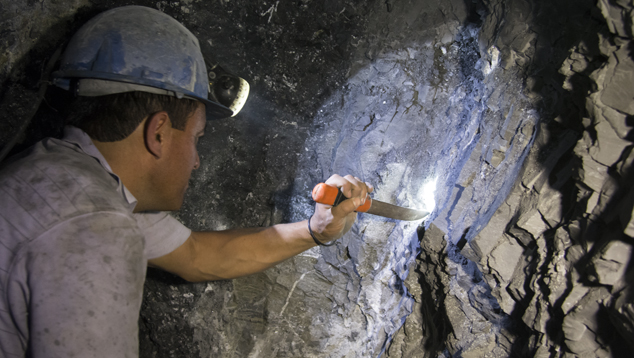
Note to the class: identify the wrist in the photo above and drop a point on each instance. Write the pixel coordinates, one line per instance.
(318, 240)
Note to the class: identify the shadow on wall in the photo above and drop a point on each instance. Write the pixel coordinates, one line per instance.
(436, 326)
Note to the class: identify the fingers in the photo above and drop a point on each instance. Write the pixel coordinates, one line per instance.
(349, 185)
(341, 183)
(358, 188)
(370, 187)
(346, 207)
(352, 188)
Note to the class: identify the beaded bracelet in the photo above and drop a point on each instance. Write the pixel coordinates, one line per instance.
(314, 238)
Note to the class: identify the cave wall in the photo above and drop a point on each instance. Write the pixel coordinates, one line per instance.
(519, 112)
(556, 255)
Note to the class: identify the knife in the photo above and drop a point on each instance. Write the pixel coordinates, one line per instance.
(331, 195)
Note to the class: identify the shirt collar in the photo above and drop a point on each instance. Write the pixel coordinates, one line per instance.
(81, 140)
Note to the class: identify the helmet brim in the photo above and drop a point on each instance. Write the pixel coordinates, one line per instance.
(121, 83)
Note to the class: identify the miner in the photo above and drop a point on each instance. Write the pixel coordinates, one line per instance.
(82, 217)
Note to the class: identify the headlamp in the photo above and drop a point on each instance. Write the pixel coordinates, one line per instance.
(229, 90)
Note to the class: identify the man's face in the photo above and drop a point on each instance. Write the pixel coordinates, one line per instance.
(181, 159)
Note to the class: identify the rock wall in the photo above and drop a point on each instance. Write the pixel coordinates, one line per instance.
(551, 269)
(510, 120)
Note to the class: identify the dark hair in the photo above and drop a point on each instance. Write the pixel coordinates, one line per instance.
(114, 117)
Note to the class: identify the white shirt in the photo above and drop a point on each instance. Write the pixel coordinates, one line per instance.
(73, 255)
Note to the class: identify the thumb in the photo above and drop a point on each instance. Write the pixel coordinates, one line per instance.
(346, 207)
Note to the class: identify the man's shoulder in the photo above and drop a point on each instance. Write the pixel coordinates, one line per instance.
(53, 181)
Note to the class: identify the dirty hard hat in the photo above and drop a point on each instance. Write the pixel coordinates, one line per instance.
(136, 48)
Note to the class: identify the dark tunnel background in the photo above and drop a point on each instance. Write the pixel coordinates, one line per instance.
(519, 112)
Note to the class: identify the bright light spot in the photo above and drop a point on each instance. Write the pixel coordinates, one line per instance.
(494, 60)
(427, 195)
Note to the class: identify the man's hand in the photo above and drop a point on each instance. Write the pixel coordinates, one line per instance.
(330, 223)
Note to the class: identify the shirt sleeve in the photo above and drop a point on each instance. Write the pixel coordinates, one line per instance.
(163, 233)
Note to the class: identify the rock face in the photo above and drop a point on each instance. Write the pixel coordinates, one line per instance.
(511, 121)
(554, 259)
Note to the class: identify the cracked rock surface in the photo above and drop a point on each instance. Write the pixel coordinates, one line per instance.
(516, 114)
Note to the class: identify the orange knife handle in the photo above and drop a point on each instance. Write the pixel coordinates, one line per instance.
(331, 195)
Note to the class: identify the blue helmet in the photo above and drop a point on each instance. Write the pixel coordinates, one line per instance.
(136, 48)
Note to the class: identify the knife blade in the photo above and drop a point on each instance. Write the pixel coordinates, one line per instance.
(331, 195)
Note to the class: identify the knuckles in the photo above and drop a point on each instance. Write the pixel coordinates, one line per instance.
(351, 186)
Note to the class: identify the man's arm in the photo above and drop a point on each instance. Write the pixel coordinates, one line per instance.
(233, 253)
(228, 254)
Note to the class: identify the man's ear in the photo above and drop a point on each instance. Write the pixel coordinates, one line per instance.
(156, 132)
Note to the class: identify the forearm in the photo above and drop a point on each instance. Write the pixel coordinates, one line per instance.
(239, 252)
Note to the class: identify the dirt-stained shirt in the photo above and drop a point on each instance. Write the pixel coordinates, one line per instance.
(73, 255)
